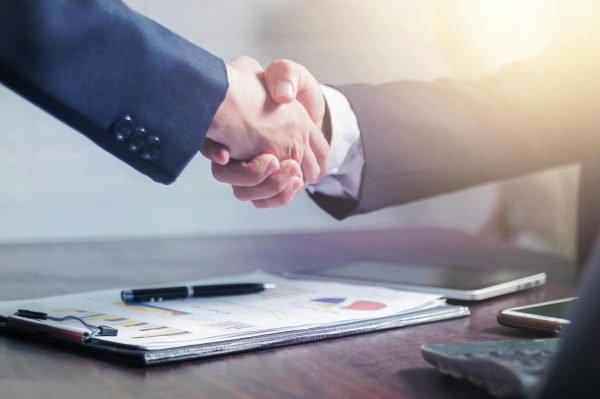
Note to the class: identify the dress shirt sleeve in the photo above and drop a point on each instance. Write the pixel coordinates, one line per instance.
(346, 159)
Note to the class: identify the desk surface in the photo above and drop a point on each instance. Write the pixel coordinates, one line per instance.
(378, 365)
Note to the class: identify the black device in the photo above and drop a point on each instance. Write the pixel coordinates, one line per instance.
(552, 368)
(548, 316)
(505, 369)
(452, 281)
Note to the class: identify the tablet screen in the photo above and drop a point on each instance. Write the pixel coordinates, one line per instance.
(440, 276)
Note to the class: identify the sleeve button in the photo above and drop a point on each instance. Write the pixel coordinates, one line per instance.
(137, 139)
(152, 148)
(123, 128)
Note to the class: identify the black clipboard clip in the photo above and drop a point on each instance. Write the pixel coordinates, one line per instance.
(103, 331)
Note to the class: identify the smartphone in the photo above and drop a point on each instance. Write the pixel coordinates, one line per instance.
(452, 281)
(545, 316)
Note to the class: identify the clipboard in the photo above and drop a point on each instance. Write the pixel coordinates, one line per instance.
(157, 333)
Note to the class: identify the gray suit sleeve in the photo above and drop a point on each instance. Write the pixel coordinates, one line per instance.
(423, 139)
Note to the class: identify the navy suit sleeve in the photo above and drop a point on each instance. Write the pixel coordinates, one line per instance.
(136, 89)
(422, 139)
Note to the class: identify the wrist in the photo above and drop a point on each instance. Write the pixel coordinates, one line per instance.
(216, 130)
(232, 126)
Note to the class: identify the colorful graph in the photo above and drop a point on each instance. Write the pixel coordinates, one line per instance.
(153, 327)
(155, 309)
(356, 305)
(157, 329)
(115, 319)
(131, 323)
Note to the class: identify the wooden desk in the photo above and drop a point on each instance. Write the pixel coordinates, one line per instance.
(377, 365)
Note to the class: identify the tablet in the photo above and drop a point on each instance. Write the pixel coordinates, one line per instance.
(452, 281)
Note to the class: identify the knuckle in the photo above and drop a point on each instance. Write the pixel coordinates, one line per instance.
(281, 199)
(255, 168)
(278, 183)
(274, 202)
(217, 172)
(240, 193)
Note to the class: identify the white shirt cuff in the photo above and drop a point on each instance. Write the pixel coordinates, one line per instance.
(346, 158)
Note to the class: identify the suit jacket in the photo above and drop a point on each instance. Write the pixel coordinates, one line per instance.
(136, 89)
(427, 138)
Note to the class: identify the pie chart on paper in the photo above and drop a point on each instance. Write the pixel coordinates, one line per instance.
(365, 305)
(356, 305)
(328, 302)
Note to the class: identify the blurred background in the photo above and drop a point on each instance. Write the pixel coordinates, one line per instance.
(56, 185)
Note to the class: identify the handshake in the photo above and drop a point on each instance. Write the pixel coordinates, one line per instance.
(267, 138)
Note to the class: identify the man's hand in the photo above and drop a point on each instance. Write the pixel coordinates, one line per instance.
(263, 180)
(249, 123)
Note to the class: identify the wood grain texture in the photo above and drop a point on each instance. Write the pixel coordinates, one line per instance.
(378, 365)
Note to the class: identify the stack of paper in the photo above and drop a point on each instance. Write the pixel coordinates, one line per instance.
(292, 312)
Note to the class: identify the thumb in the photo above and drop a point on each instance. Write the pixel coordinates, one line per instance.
(282, 78)
(287, 81)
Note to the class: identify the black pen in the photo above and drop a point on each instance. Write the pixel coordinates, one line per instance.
(195, 291)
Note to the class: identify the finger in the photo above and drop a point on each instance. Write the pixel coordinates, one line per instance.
(272, 185)
(282, 78)
(282, 198)
(320, 148)
(216, 152)
(246, 174)
(310, 167)
(310, 94)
